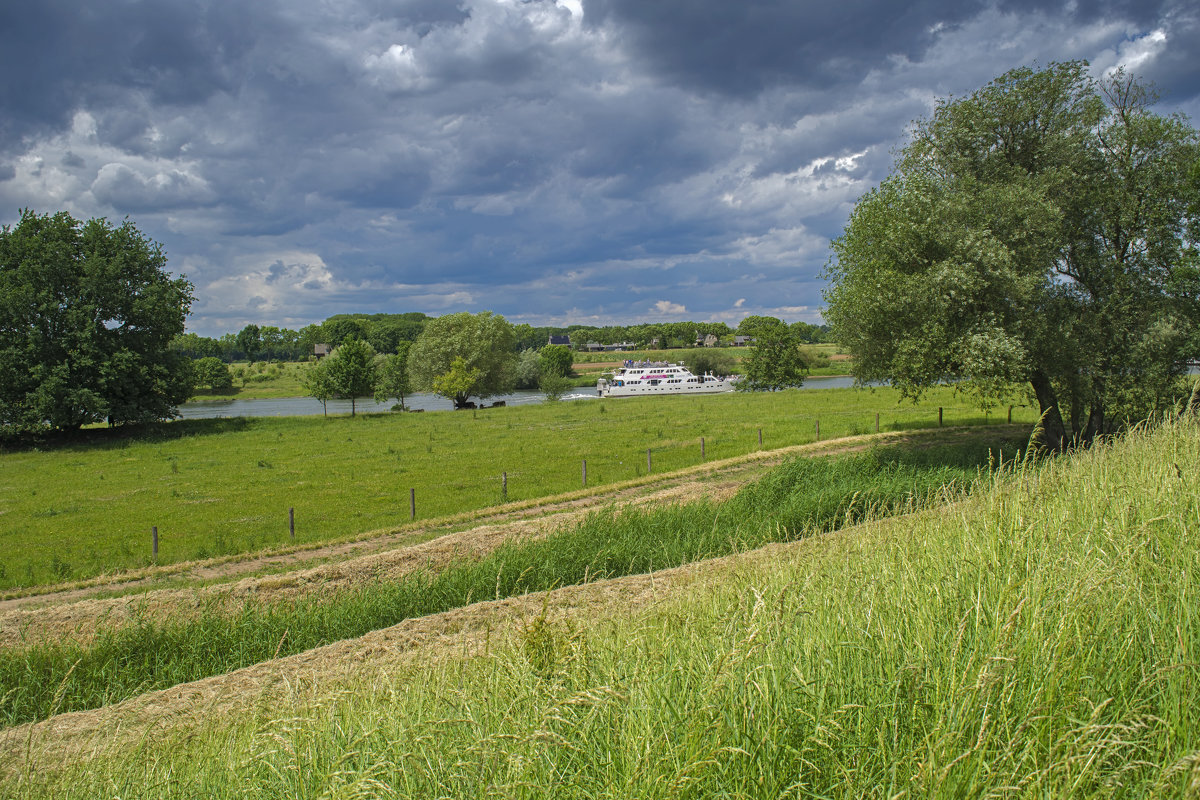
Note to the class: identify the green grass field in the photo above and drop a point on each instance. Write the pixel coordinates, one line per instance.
(802, 497)
(1038, 639)
(262, 380)
(221, 487)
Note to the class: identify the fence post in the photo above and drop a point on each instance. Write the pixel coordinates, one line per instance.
(154, 540)
(701, 448)
(939, 416)
(292, 522)
(647, 460)
(585, 473)
(818, 429)
(760, 437)
(877, 422)
(412, 503)
(503, 487)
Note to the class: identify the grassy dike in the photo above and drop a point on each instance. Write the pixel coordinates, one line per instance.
(801, 497)
(223, 487)
(1040, 639)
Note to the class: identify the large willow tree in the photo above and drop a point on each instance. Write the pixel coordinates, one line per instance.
(1041, 231)
(464, 355)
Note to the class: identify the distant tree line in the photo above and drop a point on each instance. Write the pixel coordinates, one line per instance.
(384, 332)
(387, 332)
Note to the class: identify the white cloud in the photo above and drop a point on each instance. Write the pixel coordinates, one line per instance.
(666, 307)
(395, 69)
(1131, 54)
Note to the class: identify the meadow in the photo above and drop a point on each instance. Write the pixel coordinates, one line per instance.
(262, 380)
(224, 487)
(804, 496)
(1036, 639)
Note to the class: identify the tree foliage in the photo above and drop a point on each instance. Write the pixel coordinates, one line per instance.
(213, 373)
(1035, 232)
(775, 361)
(249, 341)
(554, 386)
(457, 382)
(351, 370)
(528, 369)
(483, 341)
(755, 324)
(317, 383)
(87, 311)
(393, 376)
(717, 362)
(556, 359)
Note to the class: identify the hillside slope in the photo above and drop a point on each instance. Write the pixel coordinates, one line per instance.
(1037, 639)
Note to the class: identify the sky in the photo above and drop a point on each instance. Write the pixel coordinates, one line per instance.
(555, 161)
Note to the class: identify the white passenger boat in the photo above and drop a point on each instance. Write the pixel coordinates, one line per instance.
(638, 378)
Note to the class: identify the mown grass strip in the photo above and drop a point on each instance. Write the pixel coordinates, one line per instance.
(799, 497)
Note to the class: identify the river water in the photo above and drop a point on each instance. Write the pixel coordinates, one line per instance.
(307, 407)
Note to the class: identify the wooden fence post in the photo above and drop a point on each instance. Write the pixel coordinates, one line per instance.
(154, 541)
(818, 429)
(585, 473)
(292, 522)
(760, 437)
(503, 487)
(877, 422)
(701, 448)
(647, 461)
(412, 503)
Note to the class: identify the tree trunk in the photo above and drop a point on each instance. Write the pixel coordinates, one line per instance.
(1095, 425)
(1050, 432)
(352, 406)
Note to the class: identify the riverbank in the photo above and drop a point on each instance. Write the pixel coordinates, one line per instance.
(238, 406)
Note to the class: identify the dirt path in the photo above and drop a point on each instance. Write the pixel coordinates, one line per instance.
(77, 614)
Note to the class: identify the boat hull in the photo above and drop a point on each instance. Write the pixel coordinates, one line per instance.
(650, 391)
(654, 379)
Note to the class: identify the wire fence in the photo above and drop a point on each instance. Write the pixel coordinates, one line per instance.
(426, 501)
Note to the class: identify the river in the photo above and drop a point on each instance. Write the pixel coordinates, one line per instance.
(307, 407)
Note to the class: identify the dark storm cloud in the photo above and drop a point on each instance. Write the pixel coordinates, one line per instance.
(744, 48)
(68, 52)
(684, 157)
(740, 48)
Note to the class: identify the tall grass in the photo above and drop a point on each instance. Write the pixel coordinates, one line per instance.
(1040, 639)
(798, 498)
